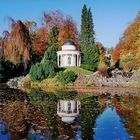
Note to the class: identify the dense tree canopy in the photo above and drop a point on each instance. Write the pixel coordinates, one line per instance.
(67, 27)
(127, 51)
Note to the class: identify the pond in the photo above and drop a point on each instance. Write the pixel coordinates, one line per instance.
(68, 115)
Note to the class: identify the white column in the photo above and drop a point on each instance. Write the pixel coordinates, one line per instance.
(79, 59)
(73, 60)
(66, 60)
(60, 58)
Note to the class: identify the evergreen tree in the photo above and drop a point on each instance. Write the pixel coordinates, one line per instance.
(48, 66)
(51, 52)
(90, 56)
(90, 28)
(84, 27)
(53, 38)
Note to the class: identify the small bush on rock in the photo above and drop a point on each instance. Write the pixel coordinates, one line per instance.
(66, 77)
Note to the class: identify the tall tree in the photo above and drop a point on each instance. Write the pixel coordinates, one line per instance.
(67, 27)
(90, 27)
(48, 66)
(84, 27)
(68, 31)
(50, 54)
(17, 47)
(90, 55)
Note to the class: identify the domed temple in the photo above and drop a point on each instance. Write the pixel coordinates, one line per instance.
(68, 110)
(69, 55)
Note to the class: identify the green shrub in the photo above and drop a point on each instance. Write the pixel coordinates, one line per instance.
(40, 71)
(66, 77)
(35, 72)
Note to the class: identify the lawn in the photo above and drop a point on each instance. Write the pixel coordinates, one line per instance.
(78, 70)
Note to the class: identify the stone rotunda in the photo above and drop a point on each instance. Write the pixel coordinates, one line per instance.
(69, 55)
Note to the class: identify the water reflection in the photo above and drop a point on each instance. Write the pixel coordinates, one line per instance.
(39, 134)
(4, 131)
(68, 115)
(68, 110)
(109, 126)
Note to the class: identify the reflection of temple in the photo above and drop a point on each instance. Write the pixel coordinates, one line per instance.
(68, 110)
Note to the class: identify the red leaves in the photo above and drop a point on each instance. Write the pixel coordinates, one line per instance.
(67, 27)
(116, 54)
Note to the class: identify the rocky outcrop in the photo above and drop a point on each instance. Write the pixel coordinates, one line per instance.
(15, 82)
(118, 79)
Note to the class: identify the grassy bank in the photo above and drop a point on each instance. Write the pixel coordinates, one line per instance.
(78, 71)
(83, 83)
(52, 84)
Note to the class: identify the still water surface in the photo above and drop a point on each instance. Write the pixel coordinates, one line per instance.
(68, 116)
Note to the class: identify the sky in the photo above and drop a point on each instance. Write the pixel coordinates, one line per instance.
(110, 17)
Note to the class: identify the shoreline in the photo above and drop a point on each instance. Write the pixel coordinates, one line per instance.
(94, 90)
(103, 90)
(90, 90)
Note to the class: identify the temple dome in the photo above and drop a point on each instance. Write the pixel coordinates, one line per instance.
(69, 42)
(69, 46)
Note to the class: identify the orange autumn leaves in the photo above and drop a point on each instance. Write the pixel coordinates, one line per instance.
(17, 44)
(25, 39)
(127, 51)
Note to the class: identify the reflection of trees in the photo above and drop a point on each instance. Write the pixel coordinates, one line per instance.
(129, 108)
(15, 113)
(9, 95)
(90, 109)
(19, 115)
(48, 104)
(39, 109)
(66, 95)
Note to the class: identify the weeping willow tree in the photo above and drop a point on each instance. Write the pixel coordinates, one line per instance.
(17, 46)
